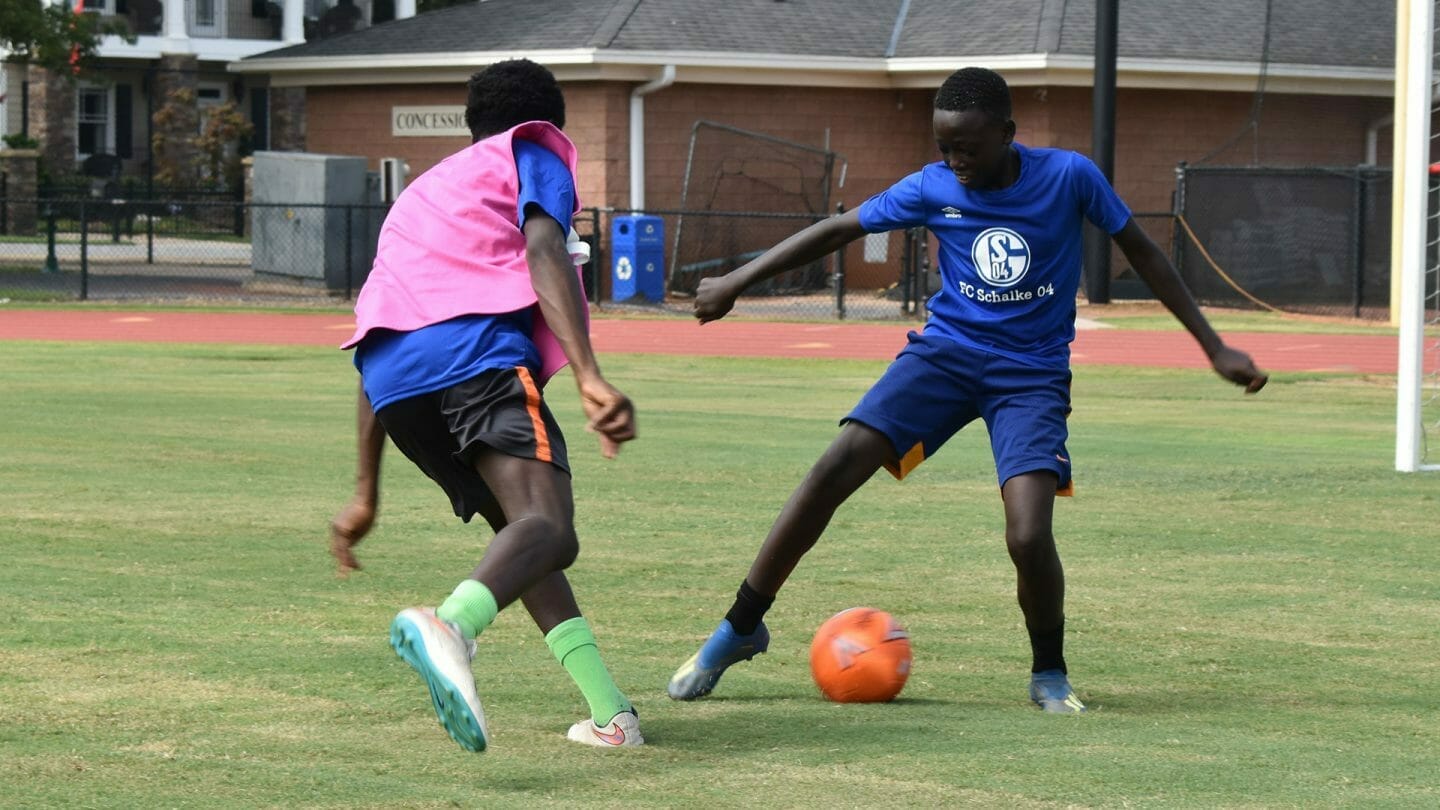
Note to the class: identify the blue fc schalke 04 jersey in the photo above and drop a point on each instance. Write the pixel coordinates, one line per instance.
(1009, 259)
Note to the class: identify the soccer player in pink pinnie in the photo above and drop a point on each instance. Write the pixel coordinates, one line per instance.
(472, 304)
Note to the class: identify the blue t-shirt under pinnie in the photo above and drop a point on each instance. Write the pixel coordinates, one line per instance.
(1009, 258)
(396, 365)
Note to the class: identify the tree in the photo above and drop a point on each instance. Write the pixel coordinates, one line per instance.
(209, 158)
(218, 158)
(174, 156)
(54, 37)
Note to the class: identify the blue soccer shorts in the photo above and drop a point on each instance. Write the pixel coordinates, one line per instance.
(937, 386)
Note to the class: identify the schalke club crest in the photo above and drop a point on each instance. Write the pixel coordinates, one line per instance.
(1001, 256)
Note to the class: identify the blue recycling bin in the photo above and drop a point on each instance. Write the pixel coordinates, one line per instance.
(637, 263)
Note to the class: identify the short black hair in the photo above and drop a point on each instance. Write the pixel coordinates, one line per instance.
(975, 88)
(510, 93)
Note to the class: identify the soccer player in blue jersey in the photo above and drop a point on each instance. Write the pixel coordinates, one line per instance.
(996, 347)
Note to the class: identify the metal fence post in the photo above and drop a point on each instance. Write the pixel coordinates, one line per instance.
(84, 252)
(1177, 235)
(349, 255)
(840, 272)
(922, 304)
(596, 264)
(907, 272)
(52, 264)
(1357, 242)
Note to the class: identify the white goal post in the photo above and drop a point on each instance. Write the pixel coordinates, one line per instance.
(1417, 395)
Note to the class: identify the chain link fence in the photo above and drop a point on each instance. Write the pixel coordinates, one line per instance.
(1311, 240)
(1307, 240)
(192, 251)
(232, 252)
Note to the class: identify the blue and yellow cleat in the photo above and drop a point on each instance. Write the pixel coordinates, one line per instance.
(698, 676)
(1050, 690)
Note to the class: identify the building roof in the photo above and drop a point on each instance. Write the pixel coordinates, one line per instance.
(1308, 43)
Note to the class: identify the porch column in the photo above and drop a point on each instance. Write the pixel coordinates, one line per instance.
(293, 30)
(175, 20)
(22, 169)
(404, 9)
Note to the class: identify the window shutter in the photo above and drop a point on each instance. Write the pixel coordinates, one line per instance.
(123, 121)
(260, 117)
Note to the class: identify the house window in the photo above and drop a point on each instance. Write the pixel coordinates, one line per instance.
(207, 18)
(95, 120)
(207, 97)
(99, 6)
(205, 13)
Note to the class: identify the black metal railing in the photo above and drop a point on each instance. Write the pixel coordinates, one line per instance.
(194, 248)
(174, 250)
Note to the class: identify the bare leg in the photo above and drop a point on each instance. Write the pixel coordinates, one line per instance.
(1030, 539)
(532, 512)
(1040, 587)
(549, 601)
(526, 561)
(847, 464)
(537, 538)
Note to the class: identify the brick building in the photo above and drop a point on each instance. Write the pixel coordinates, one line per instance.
(180, 54)
(856, 77)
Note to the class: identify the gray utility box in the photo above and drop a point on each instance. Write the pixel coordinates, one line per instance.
(314, 219)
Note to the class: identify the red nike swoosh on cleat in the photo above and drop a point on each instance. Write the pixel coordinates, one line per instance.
(617, 738)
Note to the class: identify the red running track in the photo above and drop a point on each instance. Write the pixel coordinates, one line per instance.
(1275, 352)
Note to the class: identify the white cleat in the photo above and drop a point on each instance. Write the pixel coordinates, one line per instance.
(622, 731)
(438, 651)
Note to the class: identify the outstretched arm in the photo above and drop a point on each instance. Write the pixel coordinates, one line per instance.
(608, 411)
(355, 519)
(1155, 269)
(716, 296)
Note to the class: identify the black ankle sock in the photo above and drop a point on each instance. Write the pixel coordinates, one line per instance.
(748, 610)
(1048, 647)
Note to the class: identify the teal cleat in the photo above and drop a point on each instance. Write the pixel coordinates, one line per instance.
(1050, 690)
(697, 677)
(441, 655)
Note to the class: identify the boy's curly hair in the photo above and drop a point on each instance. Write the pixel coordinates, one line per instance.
(512, 92)
(975, 88)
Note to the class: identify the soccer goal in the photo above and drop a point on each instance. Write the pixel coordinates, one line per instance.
(1415, 234)
(743, 192)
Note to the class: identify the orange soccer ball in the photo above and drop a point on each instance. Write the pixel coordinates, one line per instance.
(860, 655)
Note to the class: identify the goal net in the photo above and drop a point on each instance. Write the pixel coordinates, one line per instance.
(744, 192)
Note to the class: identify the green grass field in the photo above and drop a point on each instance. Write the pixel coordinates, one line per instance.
(1254, 614)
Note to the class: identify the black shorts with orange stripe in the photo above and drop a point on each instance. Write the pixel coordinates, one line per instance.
(443, 431)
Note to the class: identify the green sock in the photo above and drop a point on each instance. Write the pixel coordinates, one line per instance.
(574, 647)
(471, 606)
